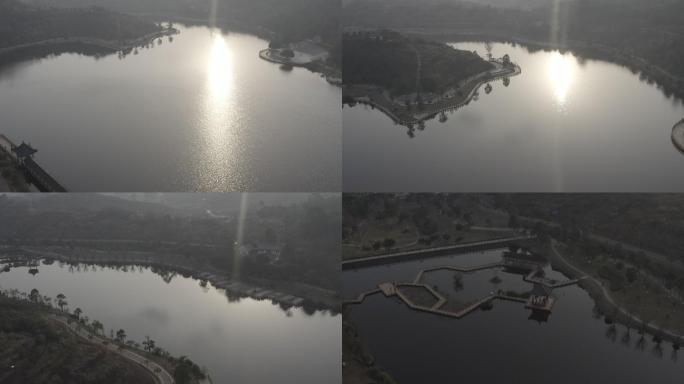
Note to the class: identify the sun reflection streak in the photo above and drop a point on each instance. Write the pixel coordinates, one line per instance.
(220, 71)
(217, 168)
(561, 71)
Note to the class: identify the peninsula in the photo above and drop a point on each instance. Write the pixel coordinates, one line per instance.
(413, 80)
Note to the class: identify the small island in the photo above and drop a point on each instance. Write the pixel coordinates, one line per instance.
(310, 53)
(678, 135)
(413, 80)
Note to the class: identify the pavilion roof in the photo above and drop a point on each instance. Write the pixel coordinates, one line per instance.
(24, 150)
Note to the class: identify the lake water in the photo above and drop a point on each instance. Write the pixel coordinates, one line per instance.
(564, 124)
(247, 342)
(500, 345)
(201, 113)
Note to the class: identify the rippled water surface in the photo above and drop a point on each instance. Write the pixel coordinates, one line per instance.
(504, 344)
(564, 124)
(202, 112)
(245, 341)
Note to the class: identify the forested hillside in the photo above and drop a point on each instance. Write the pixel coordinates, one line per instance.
(390, 60)
(21, 24)
(623, 31)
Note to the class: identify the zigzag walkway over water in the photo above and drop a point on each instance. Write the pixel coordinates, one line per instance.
(394, 289)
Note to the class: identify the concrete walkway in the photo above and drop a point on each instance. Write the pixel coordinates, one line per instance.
(161, 375)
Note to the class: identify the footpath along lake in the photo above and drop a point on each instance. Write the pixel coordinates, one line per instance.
(238, 341)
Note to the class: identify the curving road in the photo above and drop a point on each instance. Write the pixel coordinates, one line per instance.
(161, 375)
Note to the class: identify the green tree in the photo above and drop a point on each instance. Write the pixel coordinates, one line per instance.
(61, 301)
(34, 296)
(121, 336)
(98, 327)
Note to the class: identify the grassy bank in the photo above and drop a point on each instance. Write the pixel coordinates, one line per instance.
(35, 350)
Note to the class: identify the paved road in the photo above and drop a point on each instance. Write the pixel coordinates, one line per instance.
(162, 376)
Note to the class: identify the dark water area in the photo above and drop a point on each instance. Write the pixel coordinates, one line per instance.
(564, 124)
(504, 344)
(199, 111)
(237, 340)
(355, 281)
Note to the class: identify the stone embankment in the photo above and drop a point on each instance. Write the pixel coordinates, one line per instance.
(678, 135)
(417, 115)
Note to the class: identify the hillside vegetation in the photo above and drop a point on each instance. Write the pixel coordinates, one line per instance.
(22, 24)
(390, 60)
(41, 352)
(622, 31)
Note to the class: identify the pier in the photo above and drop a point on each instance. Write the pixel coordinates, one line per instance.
(22, 155)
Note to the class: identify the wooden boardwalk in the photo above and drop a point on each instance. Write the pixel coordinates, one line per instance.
(392, 289)
(419, 277)
(361, 297)
(530, 278)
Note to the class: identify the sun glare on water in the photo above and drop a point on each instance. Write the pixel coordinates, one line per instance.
(561, 71)
(217, 167)
(220, 71)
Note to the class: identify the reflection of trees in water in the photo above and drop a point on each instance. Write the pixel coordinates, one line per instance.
(641, 343)
(233, 297)
(458, 281)
(657, 350)
(309, 310)
(611, 333)
(626, 337)
(168, 275)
